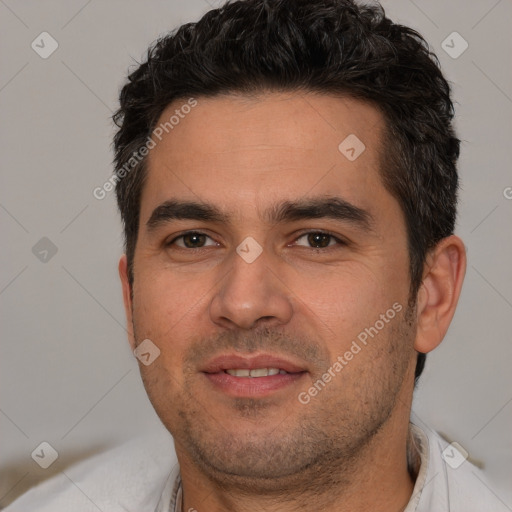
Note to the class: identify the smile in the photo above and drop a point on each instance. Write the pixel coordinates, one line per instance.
(256, 372)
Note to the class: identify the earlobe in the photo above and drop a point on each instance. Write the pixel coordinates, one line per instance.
(439, 292)
(127, 298)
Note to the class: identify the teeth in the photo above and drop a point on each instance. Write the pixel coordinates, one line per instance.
(256, 372)
(239, 373)
(259, 372)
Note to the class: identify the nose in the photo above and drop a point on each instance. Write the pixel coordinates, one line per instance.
(251, 294)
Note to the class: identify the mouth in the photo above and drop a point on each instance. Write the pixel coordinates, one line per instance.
(252, 376)
(255, 373)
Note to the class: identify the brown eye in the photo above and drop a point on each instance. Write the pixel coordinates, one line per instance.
(192, 240)
(317, 240)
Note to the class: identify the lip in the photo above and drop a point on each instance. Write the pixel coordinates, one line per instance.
(233, 361)
(251, 387)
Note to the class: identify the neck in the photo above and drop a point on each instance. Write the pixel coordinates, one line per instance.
(381, 476)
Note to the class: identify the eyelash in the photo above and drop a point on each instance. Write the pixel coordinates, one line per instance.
(339, 241)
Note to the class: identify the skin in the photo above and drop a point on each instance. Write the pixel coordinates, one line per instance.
(346, 448)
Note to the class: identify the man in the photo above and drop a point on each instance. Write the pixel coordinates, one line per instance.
(286, 175)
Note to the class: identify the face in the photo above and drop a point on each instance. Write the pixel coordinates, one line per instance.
(271, 271)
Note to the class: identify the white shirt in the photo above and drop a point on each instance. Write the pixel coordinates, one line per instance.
(143, 476)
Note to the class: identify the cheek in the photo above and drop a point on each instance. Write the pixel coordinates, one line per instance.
(345, 303)
(166, 311)
(166, 307)
(342, 301)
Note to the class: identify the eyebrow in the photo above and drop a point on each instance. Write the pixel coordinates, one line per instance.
(331, 207)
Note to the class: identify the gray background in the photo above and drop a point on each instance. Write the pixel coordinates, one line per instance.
(67, 375)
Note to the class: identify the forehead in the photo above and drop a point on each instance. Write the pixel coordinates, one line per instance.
(239, 150)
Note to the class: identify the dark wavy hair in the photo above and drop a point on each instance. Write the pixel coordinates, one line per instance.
(325, 46)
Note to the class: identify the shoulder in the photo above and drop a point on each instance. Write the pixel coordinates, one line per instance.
(128, 477)
(451, 482)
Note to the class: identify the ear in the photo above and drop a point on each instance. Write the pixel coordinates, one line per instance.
(439, 292)
(127, 298)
